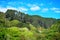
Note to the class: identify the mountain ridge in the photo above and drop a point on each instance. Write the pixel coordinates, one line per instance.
(35, 20)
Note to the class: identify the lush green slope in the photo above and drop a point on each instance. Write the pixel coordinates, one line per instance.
(16, 25)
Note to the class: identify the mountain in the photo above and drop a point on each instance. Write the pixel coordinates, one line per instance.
(35, 20)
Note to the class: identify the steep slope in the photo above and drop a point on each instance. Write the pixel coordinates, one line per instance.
(35, 20)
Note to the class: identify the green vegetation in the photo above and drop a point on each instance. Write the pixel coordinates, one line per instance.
(16, 25)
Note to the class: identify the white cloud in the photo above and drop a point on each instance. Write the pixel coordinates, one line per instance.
(2, 9)
(23, 9)
(35, 8)
(45, 9)
(56, 10)
(10, 7)
(31, 5)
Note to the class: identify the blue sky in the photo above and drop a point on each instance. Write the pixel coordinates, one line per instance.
(44, 8)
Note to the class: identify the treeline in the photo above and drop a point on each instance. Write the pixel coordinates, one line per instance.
(16, 25)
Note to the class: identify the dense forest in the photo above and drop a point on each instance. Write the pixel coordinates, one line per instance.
(16, 25)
